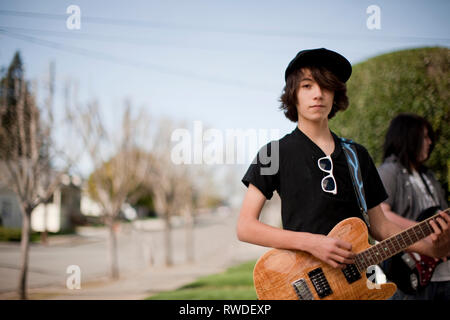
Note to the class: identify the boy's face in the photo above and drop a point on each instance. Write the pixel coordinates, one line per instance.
(313, 102)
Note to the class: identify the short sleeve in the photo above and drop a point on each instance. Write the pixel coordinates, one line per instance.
(439, 190)
(388, 174)
(373, 186)
(263, 172)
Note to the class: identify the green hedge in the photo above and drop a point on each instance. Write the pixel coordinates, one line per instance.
(15, 234)
(415, 80)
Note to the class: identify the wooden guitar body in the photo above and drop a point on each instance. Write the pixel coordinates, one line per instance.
(292, 275)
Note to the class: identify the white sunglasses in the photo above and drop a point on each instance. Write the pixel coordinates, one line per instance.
(328, 183)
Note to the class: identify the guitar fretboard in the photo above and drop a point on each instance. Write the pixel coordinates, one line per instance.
(395, 244)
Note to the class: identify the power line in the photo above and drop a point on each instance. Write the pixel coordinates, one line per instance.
(127, 62)
(88, 19)
(122, 39)
(94, 36)
(151, 42)
(185, 27)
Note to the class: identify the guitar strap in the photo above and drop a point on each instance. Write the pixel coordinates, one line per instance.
(349, 149)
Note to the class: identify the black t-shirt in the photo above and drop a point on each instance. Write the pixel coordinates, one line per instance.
(304, 205)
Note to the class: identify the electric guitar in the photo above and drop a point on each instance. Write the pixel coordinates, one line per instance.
(411, 271)
(290, 275)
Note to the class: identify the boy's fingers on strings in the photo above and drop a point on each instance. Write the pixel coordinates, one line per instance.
(344, 254)
(335, 264)
(436, 229)
(442, 223)
(344, 244)
(342, 260)
(444, 215)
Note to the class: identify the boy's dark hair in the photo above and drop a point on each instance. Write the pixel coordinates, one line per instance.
(325, 79)
(404, 139)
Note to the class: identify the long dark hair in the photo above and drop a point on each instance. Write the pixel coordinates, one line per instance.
(325, 78)
(404, 139)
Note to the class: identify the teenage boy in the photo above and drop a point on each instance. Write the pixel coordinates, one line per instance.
(313, 178)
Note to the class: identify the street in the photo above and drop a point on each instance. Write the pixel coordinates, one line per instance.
(141, 260)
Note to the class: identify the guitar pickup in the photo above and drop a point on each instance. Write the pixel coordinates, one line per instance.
(351, 273)
(410, 262)
(320, 282)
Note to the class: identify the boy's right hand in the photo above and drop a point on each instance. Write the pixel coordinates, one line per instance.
(335, 252)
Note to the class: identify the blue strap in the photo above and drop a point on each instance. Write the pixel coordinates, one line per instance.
(355, 172)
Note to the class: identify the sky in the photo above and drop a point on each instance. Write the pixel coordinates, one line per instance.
(218, 62)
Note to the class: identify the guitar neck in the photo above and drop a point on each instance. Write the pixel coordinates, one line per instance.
(395, 244)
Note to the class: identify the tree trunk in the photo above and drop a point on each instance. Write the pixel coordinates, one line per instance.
(24, 248)
(44, 237)
(44, 233)
(189, 227)
(168, 239)
(113, 254)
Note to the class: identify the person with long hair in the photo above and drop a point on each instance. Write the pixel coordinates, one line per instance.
(412, 189)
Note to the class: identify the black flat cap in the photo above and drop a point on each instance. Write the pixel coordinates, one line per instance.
(331, 60)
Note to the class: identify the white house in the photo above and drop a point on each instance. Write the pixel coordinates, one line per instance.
(62, 212)
(69, 206)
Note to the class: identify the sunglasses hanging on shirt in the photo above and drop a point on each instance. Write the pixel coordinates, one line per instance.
(328, 182)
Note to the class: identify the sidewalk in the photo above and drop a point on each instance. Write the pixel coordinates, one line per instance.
(144, 282)
(141, 284)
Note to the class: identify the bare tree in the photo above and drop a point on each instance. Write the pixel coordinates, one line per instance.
(27, 152)
(163, 183)
(50, 83)
(177, 189)
(119, 164)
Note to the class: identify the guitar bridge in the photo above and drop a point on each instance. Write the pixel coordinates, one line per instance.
(302, 290)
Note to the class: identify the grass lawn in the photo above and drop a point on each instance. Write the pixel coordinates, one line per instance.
(236, 283)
